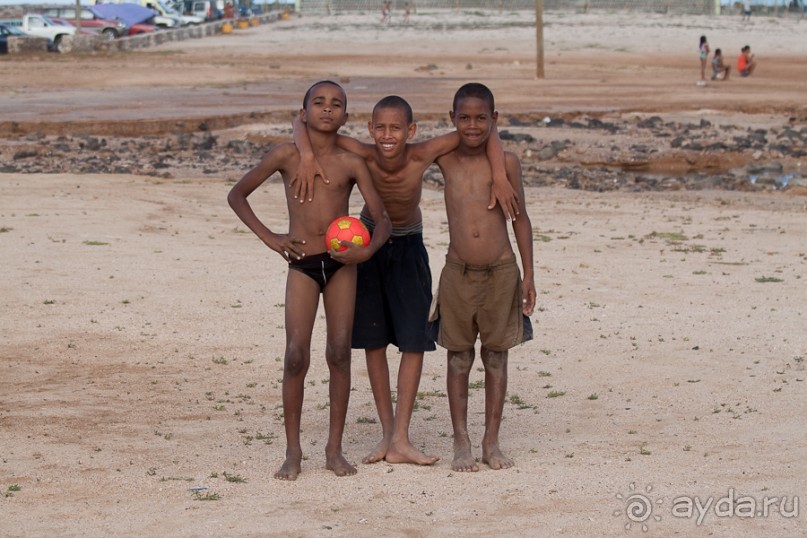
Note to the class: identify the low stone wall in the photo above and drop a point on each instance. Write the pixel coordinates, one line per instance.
(24, 44)
(89, 43)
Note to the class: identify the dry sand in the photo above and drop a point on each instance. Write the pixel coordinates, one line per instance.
(141, 358)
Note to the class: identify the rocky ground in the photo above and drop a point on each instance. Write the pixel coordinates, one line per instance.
(637, 153)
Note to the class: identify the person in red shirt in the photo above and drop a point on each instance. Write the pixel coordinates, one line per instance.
(746, 62)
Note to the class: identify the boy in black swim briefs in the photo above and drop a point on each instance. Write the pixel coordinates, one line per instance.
(313, 270)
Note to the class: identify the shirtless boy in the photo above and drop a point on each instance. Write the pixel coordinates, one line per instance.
(312, 269)
(480, 291)
(395, 291)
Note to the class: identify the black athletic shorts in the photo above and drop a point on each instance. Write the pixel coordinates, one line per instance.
(393, 295)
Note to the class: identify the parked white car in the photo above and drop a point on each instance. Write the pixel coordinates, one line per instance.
(42, 26)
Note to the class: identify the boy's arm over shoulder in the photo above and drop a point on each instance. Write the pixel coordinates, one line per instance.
(383, 227)
(302, 183)
(501, 191)
(522, 228)
(429, 150)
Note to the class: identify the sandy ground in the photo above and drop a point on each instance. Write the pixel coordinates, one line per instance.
(141, 359)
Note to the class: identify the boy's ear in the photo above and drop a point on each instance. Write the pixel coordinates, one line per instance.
(344, 120)
(302, 115)
(370, 127)
(495, 116)
(451, 115)
(413, 127)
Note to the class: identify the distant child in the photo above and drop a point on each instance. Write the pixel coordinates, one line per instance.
(313, 270)
(392, 303)
(386, 12)
(481, 292)
(718, 67)
(703, 54)
(746, 10)
(746, 62)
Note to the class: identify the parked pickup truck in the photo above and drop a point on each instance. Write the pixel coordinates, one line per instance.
(42, 26)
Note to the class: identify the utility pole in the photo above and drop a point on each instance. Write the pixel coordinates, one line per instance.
(539, 38)
(78, 17)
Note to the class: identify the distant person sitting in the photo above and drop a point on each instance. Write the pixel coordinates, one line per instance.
(746, 62)
(718, 67)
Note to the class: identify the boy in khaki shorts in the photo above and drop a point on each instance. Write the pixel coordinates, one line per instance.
(480, 291)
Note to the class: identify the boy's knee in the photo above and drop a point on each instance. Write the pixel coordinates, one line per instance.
(460, 361)
(337, 355)
(296, 362)
(494, 360)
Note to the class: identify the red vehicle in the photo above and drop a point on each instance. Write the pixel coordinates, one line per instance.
(89, 21)
(95, 23)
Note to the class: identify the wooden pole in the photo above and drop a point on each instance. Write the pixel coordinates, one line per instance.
(539, 38)
(78, 17)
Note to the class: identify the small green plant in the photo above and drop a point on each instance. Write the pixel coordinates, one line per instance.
(544, 374)
(516, 400)
(5, 229)
(644, 451)
(219, 360)
(556, 394)
(765, 279)
(477, 384)
(593, 396)
(49, 301)
(365, 420)
(236, 479)
(95, 243)
(669, 236)
(206, 496)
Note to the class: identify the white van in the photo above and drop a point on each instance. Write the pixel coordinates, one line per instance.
(163, 9)
(210, 10)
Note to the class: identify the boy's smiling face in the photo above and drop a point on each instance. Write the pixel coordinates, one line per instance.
(326, 108)
(473, 119)
(390, 130)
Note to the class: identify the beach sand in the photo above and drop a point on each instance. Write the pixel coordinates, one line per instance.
(141, 334)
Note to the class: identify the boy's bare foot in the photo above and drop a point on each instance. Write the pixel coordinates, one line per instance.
(406, 453)
(493, 456)
(378, 452)
(339, 465)
(290, 468)
(464, 461)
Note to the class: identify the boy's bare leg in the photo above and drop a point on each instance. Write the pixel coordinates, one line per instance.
(495, 391)
(378, 372)
(339, 300)
(400, 448)
(459, 370)
(300, 314)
